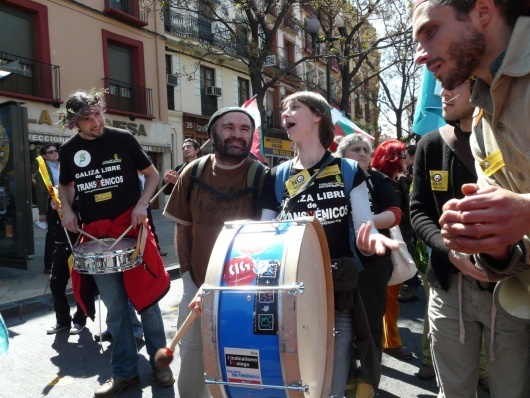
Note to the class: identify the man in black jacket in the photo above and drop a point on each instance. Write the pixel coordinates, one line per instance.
(190, 150)
(460, 306)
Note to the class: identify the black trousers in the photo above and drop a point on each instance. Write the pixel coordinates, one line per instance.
(49, 243)
(58, 283)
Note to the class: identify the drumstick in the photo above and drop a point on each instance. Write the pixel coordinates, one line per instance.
(90, 236)
(121, 237)
(164, 356)
(178, 171)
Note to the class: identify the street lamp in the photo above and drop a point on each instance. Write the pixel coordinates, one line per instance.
(313, 27)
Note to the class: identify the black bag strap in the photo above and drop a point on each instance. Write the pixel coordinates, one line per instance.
(459, 144)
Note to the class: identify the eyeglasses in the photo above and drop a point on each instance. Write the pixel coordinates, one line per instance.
(52, 151)
(403, 156)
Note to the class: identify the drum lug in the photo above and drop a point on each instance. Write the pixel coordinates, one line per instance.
(336, 332)
(300, 290)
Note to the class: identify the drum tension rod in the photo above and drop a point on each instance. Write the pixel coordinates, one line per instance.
(296, 386)
(293, 289)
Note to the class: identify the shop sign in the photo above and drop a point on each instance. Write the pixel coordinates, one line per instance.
(278, 147)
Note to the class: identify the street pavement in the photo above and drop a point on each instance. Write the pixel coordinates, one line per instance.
(61, 365)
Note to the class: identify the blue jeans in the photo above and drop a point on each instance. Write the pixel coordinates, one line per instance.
(138, 329)
(343, 352)
(124, 356)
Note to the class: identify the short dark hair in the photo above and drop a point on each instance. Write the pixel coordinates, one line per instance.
(193, 142)
(44, 148)
(509, 9)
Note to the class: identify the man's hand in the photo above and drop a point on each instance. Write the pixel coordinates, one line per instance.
(138, 215)
(69, 220)
(466, 267)
(488, 220)
(196, 303)
(369, 244)
(171, 176)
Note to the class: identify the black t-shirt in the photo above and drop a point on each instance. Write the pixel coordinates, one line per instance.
(104, 172)
(324, 199)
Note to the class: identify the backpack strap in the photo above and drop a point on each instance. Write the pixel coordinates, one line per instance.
(197, 169)
(255, 178)
(282, 175)
(348, 169)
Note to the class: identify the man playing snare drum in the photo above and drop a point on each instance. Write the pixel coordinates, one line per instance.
(101, 167)
(200, 213)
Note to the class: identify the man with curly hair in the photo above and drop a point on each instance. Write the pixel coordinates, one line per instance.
(100, 167)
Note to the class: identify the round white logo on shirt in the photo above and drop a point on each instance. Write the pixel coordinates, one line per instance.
(82, 158)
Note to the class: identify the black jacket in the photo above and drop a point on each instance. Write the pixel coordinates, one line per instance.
(433, 154)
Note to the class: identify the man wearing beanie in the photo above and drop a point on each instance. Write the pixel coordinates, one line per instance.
(100, 166)
(200, 209)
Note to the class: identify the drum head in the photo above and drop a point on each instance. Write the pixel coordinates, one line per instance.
(269, 338)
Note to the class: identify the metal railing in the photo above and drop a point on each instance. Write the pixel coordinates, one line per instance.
(36, 79)
(202, 30)
(126, 97)
(130, 7)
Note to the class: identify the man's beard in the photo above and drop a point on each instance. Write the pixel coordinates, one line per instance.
(467, 54)
(230, 154)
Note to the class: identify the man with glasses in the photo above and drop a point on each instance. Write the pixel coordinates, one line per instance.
(50, 154)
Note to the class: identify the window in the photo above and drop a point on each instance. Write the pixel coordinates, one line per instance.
(125, 76)
(170, 88)
(24, 40)
(205, 21)
(208, 102)
(127, 11)
(243, 90)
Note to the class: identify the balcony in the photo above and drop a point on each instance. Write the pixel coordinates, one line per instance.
(127, 11)
(37, 81)
(201, 30)
(126, 99)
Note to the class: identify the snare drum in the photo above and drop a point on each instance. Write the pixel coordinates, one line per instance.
(267, 311)
(92, 257)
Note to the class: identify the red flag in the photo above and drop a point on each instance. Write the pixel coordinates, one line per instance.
(251, 106)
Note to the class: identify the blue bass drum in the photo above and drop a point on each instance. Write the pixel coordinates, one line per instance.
(267, 311)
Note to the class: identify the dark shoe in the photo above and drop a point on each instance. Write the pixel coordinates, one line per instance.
(162, 253)
(113, 386)
(426, 372)
(77, 328)
(401, 353)
(485, 383)
(47, 271)
(105, 336)
(409, 294)
(57, 328)
(164, 376)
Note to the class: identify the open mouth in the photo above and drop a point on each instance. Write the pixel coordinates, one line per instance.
(288, 125)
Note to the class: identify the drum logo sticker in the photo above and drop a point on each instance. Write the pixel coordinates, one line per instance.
(266, 302)
(239, 271)
(242, 366)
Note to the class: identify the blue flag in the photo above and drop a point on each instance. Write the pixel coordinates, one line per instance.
(428, 116)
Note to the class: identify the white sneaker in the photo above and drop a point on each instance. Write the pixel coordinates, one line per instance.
(77, 329)
(41, 224)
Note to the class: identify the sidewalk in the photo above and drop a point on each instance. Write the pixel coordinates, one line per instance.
(25, 291)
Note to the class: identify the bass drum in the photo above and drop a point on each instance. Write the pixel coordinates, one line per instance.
(267, 311)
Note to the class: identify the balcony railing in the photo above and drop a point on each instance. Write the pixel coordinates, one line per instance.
(127, 98)
(38, 79)
(292, 71)
(127, 11)
(202, 30)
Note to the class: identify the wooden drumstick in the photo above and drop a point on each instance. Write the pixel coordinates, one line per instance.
(164, 356)
(90, 236)
(178, 171)
(121, 237)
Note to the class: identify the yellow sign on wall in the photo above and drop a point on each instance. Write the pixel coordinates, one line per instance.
(278, 147)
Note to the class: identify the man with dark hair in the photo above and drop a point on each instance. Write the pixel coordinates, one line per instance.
(190, 150)
(460, 305)
(488, 39)
(100, 167)
(50, 154)
(219, 194)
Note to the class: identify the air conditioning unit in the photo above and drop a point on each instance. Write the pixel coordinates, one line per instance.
(214, 91)
(173, 80)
